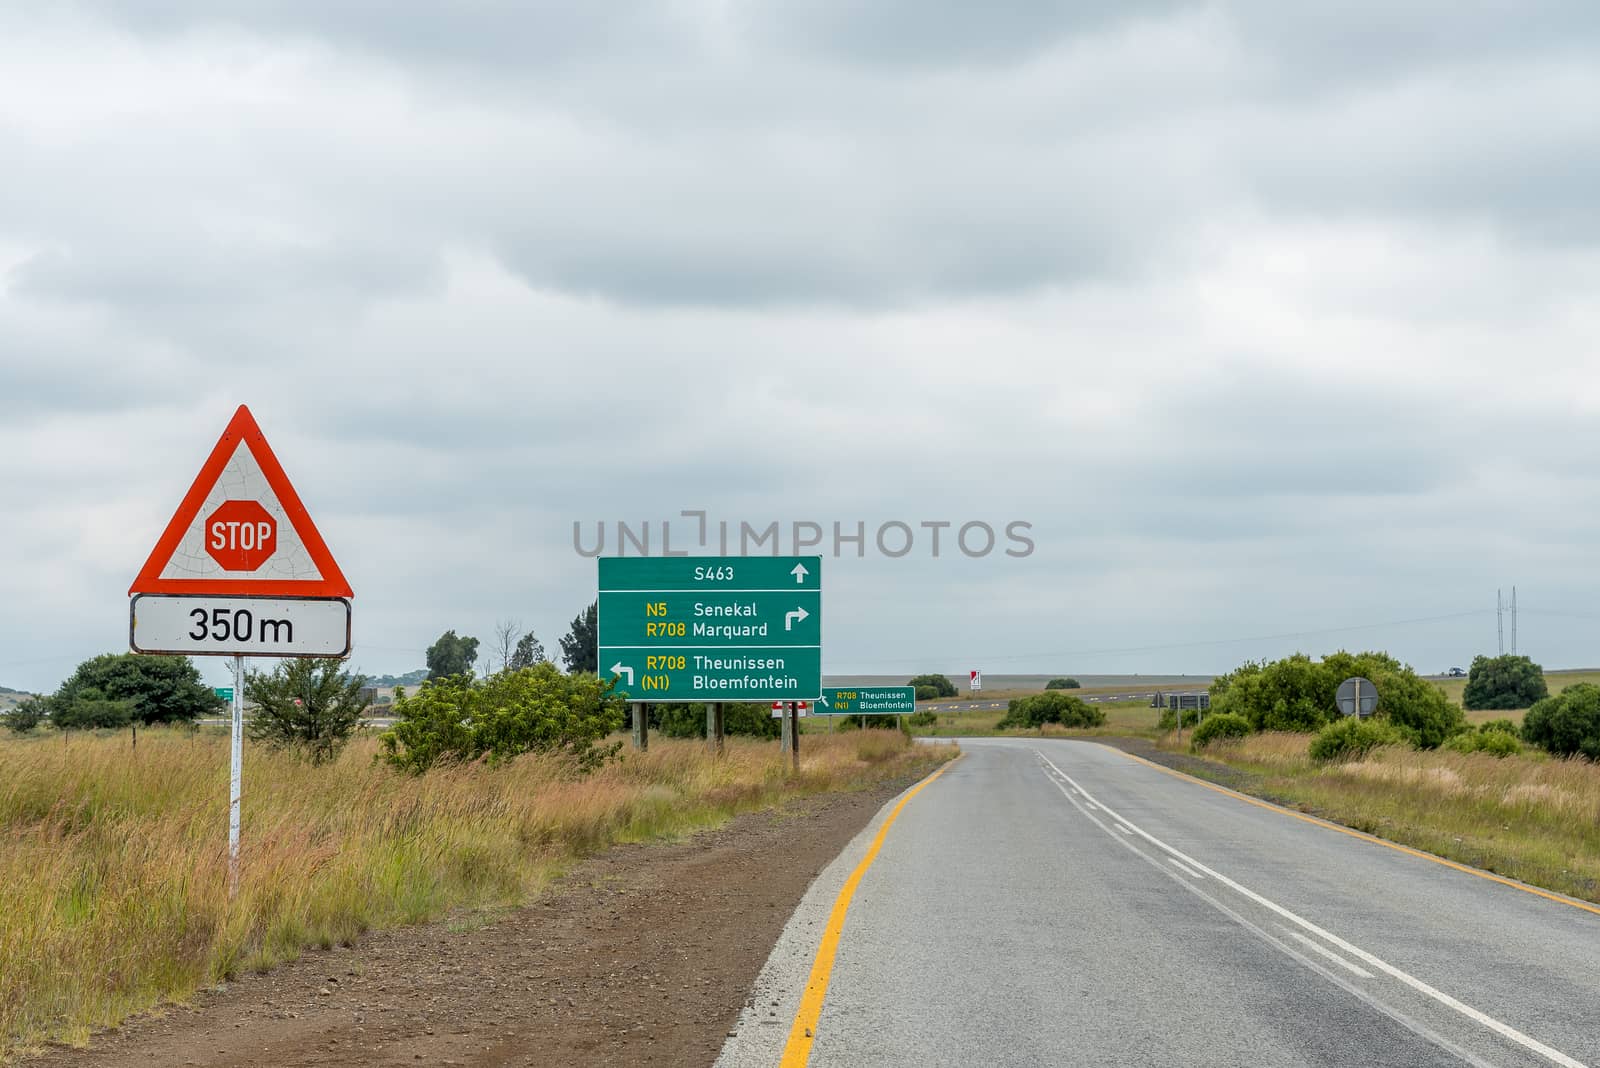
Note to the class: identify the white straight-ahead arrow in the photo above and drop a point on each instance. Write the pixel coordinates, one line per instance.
(619, 669)
(799, 573)
(799, 615)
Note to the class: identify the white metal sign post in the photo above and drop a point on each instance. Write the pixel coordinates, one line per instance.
(235, 775)
(240, 571)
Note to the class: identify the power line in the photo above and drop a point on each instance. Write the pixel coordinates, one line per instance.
(1566, 615)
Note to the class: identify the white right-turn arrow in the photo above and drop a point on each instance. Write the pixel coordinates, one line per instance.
(799, 615)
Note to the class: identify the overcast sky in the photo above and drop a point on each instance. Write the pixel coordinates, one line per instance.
(1270, 322)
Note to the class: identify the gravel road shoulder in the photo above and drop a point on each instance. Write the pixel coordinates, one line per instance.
(644, 954)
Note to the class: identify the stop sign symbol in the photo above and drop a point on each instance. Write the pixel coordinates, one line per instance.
(241, 535)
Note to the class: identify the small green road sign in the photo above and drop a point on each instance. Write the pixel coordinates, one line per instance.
(867, 701)
(224, 692)
(712, 628)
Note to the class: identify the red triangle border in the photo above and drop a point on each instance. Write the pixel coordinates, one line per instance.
(242, 427)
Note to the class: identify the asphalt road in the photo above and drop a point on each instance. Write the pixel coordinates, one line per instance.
(1058, 903)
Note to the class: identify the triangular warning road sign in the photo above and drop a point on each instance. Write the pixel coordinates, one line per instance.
(241, 530)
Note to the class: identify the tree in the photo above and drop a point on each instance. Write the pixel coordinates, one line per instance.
(945, 687)
(529, 651)
(1507, 681)
(458, 718)
(506, 633)
(1063, 684)
(155, 689)
(88, 709)
(451, 655)
(580, 650)
(1568, 723)
(311, 706)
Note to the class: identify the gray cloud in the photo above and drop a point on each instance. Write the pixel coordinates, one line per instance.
(1267, 319)
(1325, 47)
(518, 34)
(903, 31)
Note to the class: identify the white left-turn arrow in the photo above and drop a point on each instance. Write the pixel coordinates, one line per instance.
(619, 669)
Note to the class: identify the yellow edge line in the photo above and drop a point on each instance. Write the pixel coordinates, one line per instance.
(1559, 899)
(802, 1035)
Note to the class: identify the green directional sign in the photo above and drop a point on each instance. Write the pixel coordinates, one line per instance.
(712, 628)
(224, 692)
(867, 701)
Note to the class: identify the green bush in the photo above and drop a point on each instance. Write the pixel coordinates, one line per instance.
(927, 693)
(846, 723)
(1419, 709)
(1496, 742)
(1050, 707)
(1191, 716)
(1351, 738)
(309, 706)
(117, 688)
(1063, 684)
(1292, 694)
(943, 687)
(25, 716)
(1297, 694)
(1220, 725)
(1504, 726)
(926, 718)
(1507, 681)
(747, 718)
(1567, 724)
(539, 709)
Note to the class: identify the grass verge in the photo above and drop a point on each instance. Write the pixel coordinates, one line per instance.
(1532, 817)
(113, 859)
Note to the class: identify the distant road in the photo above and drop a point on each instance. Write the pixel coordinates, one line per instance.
(1059, 903)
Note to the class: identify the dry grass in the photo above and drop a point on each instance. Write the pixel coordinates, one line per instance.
(1485, 715)
(1531, 817)
(113, 860)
